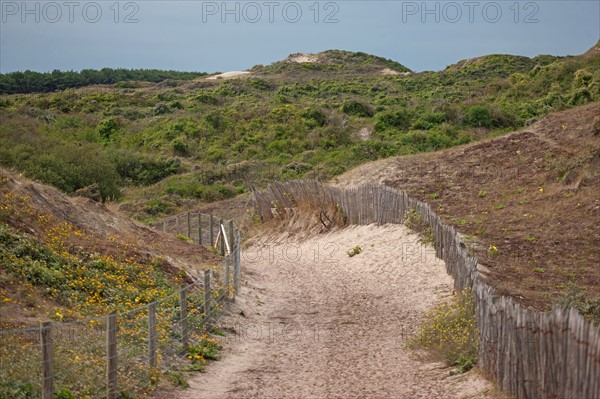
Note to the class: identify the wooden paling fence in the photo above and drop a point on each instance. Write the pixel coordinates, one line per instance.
(530, 354)
(119, 354)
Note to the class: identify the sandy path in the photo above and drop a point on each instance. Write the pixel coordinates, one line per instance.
(317, 323)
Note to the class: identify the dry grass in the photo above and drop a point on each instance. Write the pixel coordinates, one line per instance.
(303, 221)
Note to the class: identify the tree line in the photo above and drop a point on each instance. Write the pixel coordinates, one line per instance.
(42, 82)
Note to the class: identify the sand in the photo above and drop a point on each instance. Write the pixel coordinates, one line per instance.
(227, 75)
(388, 72)
(312, 322)
(303, 58)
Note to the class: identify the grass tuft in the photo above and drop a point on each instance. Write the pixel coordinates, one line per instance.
(354, 251)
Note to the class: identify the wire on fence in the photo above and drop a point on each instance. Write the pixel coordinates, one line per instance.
(116, 354)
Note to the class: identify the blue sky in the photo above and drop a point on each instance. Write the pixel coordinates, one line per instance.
(235, 35)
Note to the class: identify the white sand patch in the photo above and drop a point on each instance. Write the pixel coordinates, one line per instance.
(388, 71)
(303, 57)
(364, 133)
(391, 72)
(227, 75)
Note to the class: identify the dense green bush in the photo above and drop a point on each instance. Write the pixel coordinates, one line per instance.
(107, 127)
(429, 120)
(180, 148)
(74, 167)
(314, 118)
(260, 84)
(357, 108)
(399, 119)
(140, 170)
(215, 119)
(204, 98)
(156, 207)
(479, 116)
(371, 150)
(215, 192)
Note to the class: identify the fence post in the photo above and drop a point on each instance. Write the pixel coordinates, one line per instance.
(47, 352)
(227, 272)
(164, 226)
(185, 337)
(111, 356)
(236, 264)
(231, 237)
(200, 229)
(207, 294)
(189, 226)
(152, 334)
(212, 228)
(222, 230)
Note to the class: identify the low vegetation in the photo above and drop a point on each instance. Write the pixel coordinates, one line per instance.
(83, 283)
(180, 141)
(414, 221)
(157, 147)
(578, 298)
(52, 270)
(354, 251)
(449, 331)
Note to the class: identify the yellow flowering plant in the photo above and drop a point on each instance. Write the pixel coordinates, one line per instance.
(449, 330)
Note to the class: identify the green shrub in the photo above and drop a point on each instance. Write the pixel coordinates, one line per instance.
(354, 251)
(176, 105)
(108, 127)
(180, 148)
(16, 390)
(314, 117)
(69, 167)
(428, 120)
(215, 120)
(297, 168)
(190, 189)
(479, 116)
(413, 220)
(279, 146)
(580, 96)
(204, 98)
(399, 119)
(578, 298)
(429, 141)
(156, 207)
(141, 170)
(357, 108)
(371, 150)
(260, 84)
(161, 109)
(183, 237)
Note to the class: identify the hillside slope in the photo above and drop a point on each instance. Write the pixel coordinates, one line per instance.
(73, 257)
(527, 203)
(162, 147)
(330, 62)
